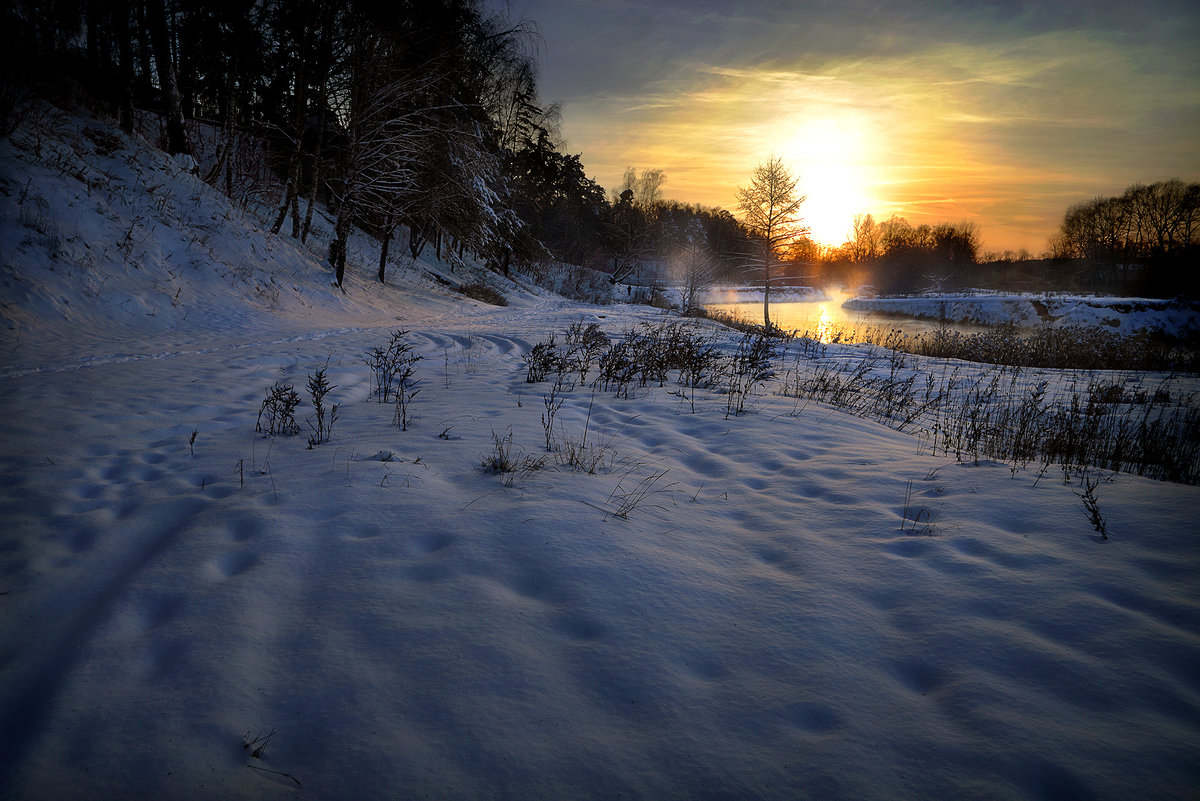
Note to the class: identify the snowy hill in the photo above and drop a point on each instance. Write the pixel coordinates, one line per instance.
(789, 603)
(105, 239)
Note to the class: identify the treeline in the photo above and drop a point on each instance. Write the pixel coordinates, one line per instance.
(1145, 239)
(896, 256)
(418, 117)
(1142, 242)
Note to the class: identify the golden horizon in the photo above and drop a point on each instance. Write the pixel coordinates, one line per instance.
(945, 135)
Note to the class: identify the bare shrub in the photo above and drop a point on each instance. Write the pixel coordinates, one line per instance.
(391, 366)
(1091, 507)
(584, 344)
(484, 294)
(749, 367)
(552, 403)
(318, 388)
(277, 414)
(542, 360)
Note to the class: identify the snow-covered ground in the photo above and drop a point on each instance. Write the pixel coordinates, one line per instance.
(1126, 315)
(190, 610)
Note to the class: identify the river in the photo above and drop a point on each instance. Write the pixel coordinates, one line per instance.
(823, 319)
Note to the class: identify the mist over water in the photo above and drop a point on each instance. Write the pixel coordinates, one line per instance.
(823, 318)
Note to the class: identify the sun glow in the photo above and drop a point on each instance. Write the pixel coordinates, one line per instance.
(824, 325)
(829, 157)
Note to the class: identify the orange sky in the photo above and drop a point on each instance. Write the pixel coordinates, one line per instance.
(1004, 119)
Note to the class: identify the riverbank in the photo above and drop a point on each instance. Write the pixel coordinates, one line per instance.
(1180, 319)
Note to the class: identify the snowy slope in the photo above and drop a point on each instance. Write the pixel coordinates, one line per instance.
(386, 619)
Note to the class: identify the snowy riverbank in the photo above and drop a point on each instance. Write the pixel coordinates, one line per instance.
(1126, 315)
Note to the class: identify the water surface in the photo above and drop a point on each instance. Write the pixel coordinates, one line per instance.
(824, 319)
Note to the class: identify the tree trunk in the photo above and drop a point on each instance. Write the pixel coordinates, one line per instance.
(289, 191)
(416, 240)
(143, 53)
(296, 204)
(388, 226)
(125, 53)
(291, 197)
(156, 18)
(767, 293)
(224, 166)
(316, 165)
(337, 249)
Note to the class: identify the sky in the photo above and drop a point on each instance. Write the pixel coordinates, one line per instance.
(1003, 113)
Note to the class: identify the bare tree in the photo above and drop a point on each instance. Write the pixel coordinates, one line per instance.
(770, 209)
(646, 189)
(168, 83)
(648, 193)
(631, 235)
(386, 134)
(864, 241)
(694, 268)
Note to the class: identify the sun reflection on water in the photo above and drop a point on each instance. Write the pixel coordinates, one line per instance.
(824, 324)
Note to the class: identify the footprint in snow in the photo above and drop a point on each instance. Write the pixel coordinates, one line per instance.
(232, 564)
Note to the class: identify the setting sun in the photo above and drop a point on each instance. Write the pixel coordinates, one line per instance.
(828, 156)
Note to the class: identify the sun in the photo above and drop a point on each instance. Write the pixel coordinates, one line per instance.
(828, 156)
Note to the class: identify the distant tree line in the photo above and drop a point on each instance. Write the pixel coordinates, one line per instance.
(414, 116)
(896, 256)
(1144, 241)
(1147, 238)
(644, 230)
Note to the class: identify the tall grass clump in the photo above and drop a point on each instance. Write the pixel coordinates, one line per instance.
(1017, 415)
(749, 367)
(683, 355)
(1065, 347)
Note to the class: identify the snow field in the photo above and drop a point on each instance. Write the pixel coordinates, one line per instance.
(761, 623)
(402, 619)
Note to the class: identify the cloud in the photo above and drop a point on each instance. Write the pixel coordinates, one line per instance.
(1004, 112)
(990, 127)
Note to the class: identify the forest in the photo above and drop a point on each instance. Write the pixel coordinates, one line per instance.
(420, 122)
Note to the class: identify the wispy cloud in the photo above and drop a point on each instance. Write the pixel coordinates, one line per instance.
(1003, 114)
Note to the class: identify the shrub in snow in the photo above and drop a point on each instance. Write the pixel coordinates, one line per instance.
(584, 346)
(484, 293)
(318, 388)
(391, 366)
(406, 390)
(500, 460)
(541, 361)
(619, 367)
(277, 415)
(1091, 506)
(749, 367)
